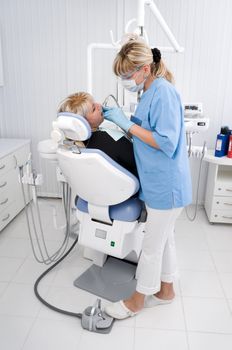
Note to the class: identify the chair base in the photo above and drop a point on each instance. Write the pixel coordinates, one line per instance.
(114, 281)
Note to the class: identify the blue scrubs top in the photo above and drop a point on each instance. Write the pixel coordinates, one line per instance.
(164, 173)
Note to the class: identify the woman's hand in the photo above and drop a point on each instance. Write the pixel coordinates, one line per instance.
(117, 116)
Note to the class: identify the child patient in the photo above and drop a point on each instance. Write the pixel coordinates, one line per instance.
(120, 150)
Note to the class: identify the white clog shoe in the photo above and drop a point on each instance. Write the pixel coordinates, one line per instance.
(152, 300)
(119, 310)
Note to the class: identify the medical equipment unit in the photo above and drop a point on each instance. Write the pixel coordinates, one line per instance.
(107, 214)
(110, 215)
(195, 122)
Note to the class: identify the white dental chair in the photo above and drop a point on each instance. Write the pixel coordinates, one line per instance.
(106, 206)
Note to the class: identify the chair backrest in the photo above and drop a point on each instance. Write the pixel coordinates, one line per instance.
(96, 178)
(92, 175)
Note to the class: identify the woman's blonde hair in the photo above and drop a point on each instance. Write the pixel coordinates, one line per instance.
(79, 103)
(136, 53)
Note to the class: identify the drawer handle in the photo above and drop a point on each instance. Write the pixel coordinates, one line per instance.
(4, 202)
(4, 184)
(227, 217)
(2, 166)
(227, 203)
(229, 189)
(6, 217)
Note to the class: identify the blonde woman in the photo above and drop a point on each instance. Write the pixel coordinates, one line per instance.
(115, 145)
(159, 144)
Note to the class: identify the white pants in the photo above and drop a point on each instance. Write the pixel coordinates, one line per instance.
(158, 258)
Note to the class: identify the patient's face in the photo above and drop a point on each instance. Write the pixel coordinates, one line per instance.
(95, 116)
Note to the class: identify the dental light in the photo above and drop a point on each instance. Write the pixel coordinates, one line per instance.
(139, 29)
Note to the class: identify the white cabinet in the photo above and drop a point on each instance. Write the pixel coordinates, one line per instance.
(218, 198)
(13, 152)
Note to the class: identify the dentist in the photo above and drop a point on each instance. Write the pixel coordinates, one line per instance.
(160, 152)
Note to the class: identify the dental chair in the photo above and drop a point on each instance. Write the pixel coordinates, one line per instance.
(108, 210)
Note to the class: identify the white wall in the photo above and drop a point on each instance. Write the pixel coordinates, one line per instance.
(44, 59)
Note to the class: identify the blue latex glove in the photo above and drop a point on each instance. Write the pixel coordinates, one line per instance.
(117, 116)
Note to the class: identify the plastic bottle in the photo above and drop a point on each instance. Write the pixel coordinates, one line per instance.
(229, 153)
(222, 142)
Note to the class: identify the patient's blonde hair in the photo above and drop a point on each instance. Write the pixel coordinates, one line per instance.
(136, 53)
(79, 103)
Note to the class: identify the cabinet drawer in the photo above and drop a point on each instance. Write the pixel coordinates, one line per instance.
(221, 216)
(7, 197)
(10, 190)
(224, 216)
(18, 157)
(9, 213)
(223, 188)
(4, 200)
(222, 203)
(9, 182)
(6, 164)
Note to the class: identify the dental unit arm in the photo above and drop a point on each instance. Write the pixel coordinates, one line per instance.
(195, 123)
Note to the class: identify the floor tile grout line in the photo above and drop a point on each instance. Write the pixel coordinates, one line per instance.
(185, 320)
(182, 330)
(162, 329)
(219, 278)
(19, 267)
(29, 332)
(134, 332)
(208, 332)
(36, 318)
(5, 289)
(221, 284)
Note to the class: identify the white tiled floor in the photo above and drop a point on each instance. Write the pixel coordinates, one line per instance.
(200, 317)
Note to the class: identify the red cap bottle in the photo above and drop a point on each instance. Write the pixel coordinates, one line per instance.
(229, 154)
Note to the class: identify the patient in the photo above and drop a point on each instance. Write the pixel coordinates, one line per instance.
(120, 150)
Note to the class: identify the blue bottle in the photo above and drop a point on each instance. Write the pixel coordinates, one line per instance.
(222, 142)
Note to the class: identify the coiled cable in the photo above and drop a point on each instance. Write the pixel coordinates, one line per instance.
(44, 255)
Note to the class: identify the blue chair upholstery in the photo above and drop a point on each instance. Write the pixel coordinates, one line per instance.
(128, 210)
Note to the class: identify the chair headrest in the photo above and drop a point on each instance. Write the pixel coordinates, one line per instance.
(74, 126)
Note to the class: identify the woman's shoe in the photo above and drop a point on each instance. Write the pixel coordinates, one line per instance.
(152, 300)
(119, 310)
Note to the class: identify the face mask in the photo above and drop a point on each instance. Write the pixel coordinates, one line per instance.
(131, 85)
